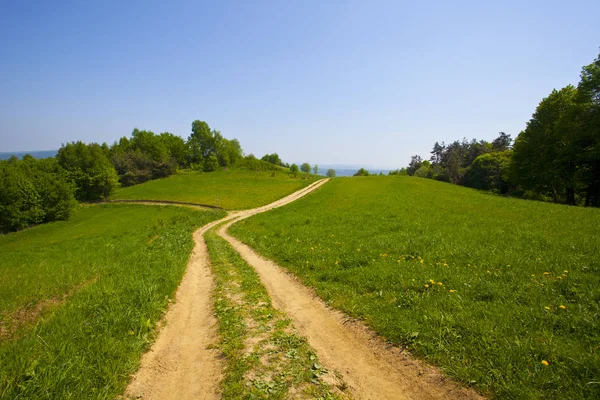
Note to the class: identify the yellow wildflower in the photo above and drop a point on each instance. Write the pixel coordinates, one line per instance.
(426, 285)
(547, 308)
(545, 363)
(547, 273)
(562, 307)
(431, 281)
(452, 290)
(565, 271)
(440, 284)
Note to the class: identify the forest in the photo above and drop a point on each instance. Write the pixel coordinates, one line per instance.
(555, 158)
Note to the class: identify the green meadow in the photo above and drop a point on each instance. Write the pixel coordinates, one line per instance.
(232, 189)
(80, 299)
(502, 294)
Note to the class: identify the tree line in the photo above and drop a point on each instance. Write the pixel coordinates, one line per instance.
(555, 158)
(35, 191)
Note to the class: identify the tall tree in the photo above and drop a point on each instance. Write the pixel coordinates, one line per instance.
(540, 160)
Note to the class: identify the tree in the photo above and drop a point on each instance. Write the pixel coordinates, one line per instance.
(211, 164)
(490, 171)
(362, 172)
(436, 153)
(316, 169)
(424, 170)
(89, 169)
(415, 164)
(33, 191)
(272, 158)
(585, 119)
(542, 162)
(331, 173)
(502, 142)
(305, 168)
(294, 169)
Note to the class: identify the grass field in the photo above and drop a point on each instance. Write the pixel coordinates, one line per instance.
(502, 294)
(235, 189)
(79, 299)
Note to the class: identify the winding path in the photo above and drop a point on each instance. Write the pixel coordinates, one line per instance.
(183, 363)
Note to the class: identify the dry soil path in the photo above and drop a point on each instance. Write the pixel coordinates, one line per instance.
(182, 365)
(183, 362)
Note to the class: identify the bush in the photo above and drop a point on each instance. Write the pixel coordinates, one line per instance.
(33, 191)
(89, 169)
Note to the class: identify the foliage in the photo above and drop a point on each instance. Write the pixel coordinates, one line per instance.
(556, 157)
(145, 155)
(89, 169)
(294, 169)
(101, 282)
(251, 163)
(232, 189)
(32, 192)
(331, 173)
(362, 172)
(305, 168)
(484, 286)
(316, 169)
(273, 159)
(490, 171)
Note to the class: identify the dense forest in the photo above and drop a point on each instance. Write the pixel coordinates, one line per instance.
(556, 158)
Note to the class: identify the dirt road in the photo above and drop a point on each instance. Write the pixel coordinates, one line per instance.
(181, 364)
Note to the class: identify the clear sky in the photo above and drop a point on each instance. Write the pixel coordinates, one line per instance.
(350, 82)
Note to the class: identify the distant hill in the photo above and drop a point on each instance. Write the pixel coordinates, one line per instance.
(20, 154)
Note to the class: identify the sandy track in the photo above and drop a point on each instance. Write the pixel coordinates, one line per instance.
(370, 368)
(183, 363)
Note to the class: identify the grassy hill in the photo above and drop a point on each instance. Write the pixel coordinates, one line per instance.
(233, 189)
(503, 294)
(79, 299)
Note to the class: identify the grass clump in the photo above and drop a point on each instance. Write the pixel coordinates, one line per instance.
(265, 356)
(502, 294)
(233, 189)
(79, 300)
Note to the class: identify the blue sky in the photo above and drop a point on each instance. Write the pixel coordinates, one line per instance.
(342, 82)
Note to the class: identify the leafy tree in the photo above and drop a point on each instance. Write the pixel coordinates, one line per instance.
(425, 170)
(89, 169)
(316, 169)
(272, 158)
(331, 173)
(211, 164)
(294, 169)
(33, 191)
(490, 171)
(585, 120)
(305, 168)
(541, 162)
(362, 172)
(414, 165)
(176, 148)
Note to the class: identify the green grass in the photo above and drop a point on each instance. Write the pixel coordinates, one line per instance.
(235, 189)
(109, 273)
(265, 357)
(472, 282)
